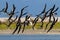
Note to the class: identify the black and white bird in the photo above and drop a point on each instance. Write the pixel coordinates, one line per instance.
(12, 12)
(18, 24)
(12, 22)
(52, 13)
(22, 14)
(26, 22)
(37, 18)
(53, 23)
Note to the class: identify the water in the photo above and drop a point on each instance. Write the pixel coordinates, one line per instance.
(30, 37)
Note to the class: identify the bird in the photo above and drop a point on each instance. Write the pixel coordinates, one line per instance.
(44, 16)
(36, 19)
(53, 23)
(26, 19)
(12, 12)
(52, 12)
(12, 21)
(49, 22)
(5, 9)
(18, 24)
(26, 22)
(23, 24)
(20, 17)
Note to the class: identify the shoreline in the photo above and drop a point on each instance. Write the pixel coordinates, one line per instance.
(30, 32)
(23, 18)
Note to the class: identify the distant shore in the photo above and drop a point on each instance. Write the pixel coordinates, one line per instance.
(29, 32)
(4, 19)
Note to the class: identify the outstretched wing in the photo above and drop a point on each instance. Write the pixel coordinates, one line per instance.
(43, 10)
(56, 9)
(23, 10)
(6, 6)
(12, 21)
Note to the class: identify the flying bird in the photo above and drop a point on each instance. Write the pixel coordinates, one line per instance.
(12, 21)
(26, 22)
(36, 19)
(12, 12)
(18, 24)
(44, 16)
(52, 12)
(53, 23)
(23, 24)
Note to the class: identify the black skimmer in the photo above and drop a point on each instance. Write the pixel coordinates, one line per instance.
(18, 25)
(53, 23)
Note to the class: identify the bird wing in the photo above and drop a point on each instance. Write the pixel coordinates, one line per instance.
(6, 5)
(23, 10)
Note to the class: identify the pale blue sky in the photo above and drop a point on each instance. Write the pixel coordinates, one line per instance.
(35, 6)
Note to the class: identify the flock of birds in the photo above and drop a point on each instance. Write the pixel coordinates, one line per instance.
(49, 13)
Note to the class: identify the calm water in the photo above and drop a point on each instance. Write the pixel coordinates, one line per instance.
(30, 37)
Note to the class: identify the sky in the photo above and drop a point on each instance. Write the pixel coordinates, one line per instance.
(34, 6)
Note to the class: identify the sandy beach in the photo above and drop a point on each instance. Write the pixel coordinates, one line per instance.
(29, 32)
